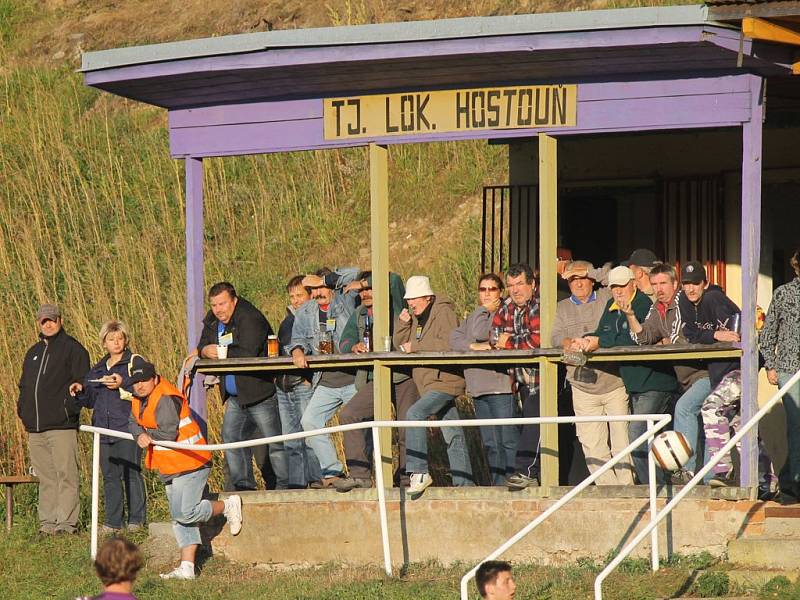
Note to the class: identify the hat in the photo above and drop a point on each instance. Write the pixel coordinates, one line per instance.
(693, 272)
(141, 370)
(418, 286)
(577, 268)
(642, 257)
(620, 276)
(48, 311)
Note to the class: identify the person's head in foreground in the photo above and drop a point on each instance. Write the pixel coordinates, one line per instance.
(495, 581)
(117, 564)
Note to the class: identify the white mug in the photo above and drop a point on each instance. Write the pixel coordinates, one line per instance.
(222, 352)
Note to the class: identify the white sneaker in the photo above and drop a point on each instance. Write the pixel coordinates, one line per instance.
(233, 513)
(180, 572)
(419, 483)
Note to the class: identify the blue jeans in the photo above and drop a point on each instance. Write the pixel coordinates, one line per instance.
(429, 404)
(323, 405)
(302, 463)
(120, 462)
(646, 403)
(790, 474)
(234, 429)
(500, 441)
(187, 507)
(688, 421)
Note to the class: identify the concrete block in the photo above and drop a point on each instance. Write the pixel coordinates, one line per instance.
(756, 578)
(765, 553)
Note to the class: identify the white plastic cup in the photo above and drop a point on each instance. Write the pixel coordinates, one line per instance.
(387, 343)
(222, 352)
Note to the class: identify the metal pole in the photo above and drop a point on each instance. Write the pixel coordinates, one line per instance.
(566, 498)
(376, 455)
(95, 491)
(651, 472)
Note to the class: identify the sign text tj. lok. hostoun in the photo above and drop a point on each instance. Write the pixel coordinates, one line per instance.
(420, 113)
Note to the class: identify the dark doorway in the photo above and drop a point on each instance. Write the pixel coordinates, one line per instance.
(588, 226)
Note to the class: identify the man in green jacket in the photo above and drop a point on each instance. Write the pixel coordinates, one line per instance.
(652, 386)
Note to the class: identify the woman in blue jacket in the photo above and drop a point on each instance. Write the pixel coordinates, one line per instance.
(120, 459)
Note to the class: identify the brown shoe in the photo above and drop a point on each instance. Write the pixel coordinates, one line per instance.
(325, 482)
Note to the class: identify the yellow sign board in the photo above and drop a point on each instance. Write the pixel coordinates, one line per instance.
(421, 113)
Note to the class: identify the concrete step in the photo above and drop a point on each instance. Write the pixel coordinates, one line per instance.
(756, 578)
(782, 521)
(765, 552)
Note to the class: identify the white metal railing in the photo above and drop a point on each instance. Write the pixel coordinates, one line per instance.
(655, 422)
(668, 508)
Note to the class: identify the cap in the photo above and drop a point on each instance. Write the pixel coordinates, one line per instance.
(642, 257)
(141, 370)
(577, 268)
(48, 311)
(418, 286)
(620, 276)
(693, 272)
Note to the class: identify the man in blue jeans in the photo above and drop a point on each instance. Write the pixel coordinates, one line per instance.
(663, 325)
(236, 324)
(425, 326)
(651, 386)
(317, 329)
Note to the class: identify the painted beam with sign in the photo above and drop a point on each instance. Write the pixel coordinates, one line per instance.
(599, 107)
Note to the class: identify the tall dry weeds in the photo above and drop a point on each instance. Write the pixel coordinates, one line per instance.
(92, 217)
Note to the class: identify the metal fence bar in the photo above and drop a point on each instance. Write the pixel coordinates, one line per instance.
(661, 423)
(651, 475)
(598, 583)
(376, 459)
(374, 425)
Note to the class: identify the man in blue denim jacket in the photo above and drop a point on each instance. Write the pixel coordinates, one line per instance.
(335, 294)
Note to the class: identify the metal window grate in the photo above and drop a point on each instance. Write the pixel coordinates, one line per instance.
(510, 225)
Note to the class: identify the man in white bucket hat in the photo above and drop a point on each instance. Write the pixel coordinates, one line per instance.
(425, 326)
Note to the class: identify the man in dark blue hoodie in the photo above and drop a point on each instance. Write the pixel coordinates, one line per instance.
(709, 316)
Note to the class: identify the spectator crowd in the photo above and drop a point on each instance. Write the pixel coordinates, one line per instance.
(640, 302)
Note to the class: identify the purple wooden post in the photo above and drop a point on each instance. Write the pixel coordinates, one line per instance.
(195, 284)
(751, 257)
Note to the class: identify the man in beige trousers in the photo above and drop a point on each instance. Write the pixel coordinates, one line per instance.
(596, 391)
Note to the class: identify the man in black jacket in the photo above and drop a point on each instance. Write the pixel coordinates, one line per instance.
(50, 415)
(239, 326)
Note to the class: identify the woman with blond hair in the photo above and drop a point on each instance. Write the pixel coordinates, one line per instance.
(120, 460)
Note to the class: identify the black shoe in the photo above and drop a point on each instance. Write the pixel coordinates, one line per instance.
(681, 477)
(789, 495)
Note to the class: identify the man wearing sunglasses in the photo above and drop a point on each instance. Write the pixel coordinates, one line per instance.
(50, 415)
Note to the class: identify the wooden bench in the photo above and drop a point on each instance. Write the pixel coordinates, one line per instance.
(10, 481)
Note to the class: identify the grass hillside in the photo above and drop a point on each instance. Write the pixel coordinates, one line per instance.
(91, 205)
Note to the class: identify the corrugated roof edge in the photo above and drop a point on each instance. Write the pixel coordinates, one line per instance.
(411, 31)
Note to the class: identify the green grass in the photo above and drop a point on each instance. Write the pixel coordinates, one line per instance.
(30, 572)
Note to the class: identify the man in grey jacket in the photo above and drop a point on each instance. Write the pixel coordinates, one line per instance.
(596, 391)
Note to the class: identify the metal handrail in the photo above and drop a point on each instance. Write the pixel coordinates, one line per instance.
(375, 426)
(660, 422)
(598, 583)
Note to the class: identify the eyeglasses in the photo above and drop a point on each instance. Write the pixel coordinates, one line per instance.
(488, 289)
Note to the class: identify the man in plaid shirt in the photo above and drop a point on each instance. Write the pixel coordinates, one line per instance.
(518, 322)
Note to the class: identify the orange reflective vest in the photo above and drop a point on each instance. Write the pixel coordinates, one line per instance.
(169, 461)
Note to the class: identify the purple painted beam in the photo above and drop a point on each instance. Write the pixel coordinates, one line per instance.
(751, 257)
(602, 107)
(195, 284)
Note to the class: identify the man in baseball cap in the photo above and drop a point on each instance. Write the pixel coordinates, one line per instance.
(641, 261)
(652, 386)
(50, 415)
